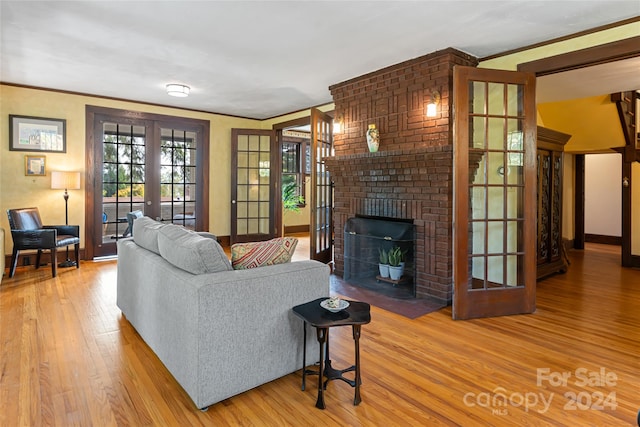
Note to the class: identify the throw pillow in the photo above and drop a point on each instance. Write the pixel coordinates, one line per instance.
(190, 251)
(145, 233)
(258, 254)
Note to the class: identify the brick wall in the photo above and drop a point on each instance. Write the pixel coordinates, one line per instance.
(410, 177)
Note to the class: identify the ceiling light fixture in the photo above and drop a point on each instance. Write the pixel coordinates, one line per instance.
(178, 90)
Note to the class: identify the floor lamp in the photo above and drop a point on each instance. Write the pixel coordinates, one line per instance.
(66, 181)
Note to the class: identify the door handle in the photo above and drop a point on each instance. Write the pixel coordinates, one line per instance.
(233, 202)
(148, 202)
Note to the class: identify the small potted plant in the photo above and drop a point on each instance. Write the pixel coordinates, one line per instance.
(395, 258)
(383, 266)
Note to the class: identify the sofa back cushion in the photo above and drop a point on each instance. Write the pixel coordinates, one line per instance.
(145, 233)
(190, 251)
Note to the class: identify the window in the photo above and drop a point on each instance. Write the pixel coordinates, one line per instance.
(294, 167)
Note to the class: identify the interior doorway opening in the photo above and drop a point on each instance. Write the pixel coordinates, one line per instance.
(305, 205)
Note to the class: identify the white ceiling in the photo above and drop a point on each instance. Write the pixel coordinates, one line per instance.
(260, 59)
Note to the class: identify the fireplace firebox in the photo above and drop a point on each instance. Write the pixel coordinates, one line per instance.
(364, 239)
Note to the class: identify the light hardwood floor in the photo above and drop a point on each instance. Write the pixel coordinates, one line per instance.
(68, 357)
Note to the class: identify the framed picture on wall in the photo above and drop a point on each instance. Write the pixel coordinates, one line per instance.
(37, 134)
(35, 165)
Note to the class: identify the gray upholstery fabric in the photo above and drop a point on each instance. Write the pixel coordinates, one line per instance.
(191, 252)
(219, 334)
(145, 233)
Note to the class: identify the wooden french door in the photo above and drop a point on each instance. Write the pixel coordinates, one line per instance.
(136, 161)
(254, 173)
(494, 193)
(321, 227)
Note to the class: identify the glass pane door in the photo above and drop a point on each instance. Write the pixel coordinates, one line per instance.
(252, 186)
(143, 162)
(494, 192)
(321, 244)
(496, 195)
(178, 186)
(123, 176)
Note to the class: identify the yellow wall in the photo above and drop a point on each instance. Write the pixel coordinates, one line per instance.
(18, 190)
(592, 122)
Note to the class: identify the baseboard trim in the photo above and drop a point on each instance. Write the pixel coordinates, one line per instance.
(224, 241)
(605, 240)
(290, 229)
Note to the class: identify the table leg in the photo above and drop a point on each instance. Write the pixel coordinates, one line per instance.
(356, 339)
(322, 339)
(304, 355)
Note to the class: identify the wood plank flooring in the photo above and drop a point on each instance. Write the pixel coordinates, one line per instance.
(68, 357)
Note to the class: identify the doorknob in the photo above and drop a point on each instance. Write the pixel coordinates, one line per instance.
(148, 202)
(233, 202)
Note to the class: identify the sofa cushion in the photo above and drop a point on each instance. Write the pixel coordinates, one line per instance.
(190, 251)
(258, 254)
(145, 233)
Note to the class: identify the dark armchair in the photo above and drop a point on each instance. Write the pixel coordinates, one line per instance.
(28, 232)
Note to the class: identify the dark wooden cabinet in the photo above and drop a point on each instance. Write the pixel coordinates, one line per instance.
(551, 257)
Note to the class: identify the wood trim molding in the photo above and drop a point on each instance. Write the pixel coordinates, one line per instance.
(563, 38)
(578, 201)
(609, 52)
(296, 229)
(602, 239)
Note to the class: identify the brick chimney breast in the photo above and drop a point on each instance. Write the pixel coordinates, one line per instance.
(411, 176)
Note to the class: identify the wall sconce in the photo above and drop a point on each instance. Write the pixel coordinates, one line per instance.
(433, 103)
(338, 123)
(178, 90)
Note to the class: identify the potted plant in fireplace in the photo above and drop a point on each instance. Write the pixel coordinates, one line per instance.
(395, 258)
(383, 266)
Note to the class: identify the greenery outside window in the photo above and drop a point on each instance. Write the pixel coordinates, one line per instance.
(293, 176)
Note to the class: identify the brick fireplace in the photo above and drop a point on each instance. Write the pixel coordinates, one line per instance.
(410, 177)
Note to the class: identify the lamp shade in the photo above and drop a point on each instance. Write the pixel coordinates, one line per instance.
(65, 180)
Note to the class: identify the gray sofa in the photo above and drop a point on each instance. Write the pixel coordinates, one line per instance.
(219, 332)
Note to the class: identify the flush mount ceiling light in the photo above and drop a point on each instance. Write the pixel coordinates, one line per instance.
(178, 90)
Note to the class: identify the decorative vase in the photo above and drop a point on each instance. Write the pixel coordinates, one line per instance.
(395, 272)
(384, 270)
(373, 138)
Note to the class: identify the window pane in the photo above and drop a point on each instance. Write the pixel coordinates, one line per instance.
(496, 99)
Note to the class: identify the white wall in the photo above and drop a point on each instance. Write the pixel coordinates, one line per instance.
(603, 194)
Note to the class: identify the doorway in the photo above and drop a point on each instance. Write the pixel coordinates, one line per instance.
(603, 69)
(303, 144)
(143, 162)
